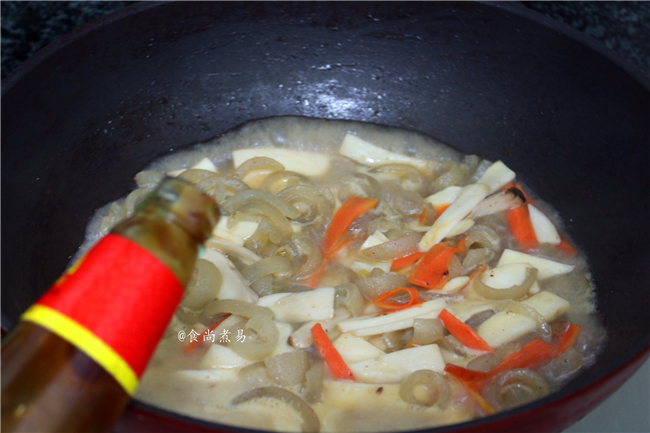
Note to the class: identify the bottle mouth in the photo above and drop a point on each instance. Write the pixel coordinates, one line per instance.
(195, 211)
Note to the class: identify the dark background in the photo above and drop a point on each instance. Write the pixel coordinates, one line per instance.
(29, 26)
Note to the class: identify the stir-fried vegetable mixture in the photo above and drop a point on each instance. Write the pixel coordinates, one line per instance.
(367, 289)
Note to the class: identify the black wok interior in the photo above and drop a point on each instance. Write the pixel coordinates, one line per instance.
(83, 116)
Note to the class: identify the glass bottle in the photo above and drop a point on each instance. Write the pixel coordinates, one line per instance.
(75, 357)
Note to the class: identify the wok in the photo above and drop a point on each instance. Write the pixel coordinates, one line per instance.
(92, 109)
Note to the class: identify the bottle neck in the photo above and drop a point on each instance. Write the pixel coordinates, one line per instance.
(171, 224)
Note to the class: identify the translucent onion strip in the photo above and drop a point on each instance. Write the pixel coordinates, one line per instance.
(257, 164)
(204, 285)
(309, 202)
(425, 388)
(254, 195)
(515, 388)
(426, 331)
(393, 249)
(279, 180)
(196, 175)
(267, 266)
(233, 306)
(261, 338)
(309, 248)
(379, 283)
(357, 185)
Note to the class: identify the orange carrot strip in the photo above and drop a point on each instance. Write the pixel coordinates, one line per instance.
(441, 208)
(196, 343)
(566, 247)
(432, 271)
(567, 339)
(466, 373)
(464, 333)
(531, 356)
(339, 247)
(348, 212)
(383, 302)
(330, 355)
(405, 261)
(522, 228)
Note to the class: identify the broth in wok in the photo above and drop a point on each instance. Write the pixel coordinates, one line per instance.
(364, 278)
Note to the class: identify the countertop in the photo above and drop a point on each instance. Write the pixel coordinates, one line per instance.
(621, 26)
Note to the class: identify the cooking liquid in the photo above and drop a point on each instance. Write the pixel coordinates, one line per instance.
(176, 382)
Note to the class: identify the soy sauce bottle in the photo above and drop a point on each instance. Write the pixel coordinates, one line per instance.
(75, 358)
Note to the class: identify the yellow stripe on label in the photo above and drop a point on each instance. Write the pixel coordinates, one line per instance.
(86, 341)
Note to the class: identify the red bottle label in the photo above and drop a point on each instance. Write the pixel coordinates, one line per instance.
(114, 304)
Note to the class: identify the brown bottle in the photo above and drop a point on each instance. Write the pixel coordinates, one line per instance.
(75, 357)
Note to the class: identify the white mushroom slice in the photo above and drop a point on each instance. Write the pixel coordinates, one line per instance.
(505, 327)
(371, 155)
(444, 197)
(219, 356)
(545, 231)
(465, 309)
(547, 304)
(506, 276)
(496, 176)
(233, 285)
(461, 227)
(371, 325)
(301, 337)
(211, 376)
(508, 326)
(354, 349)
(546, 268)
(205, 164)
(393, 326)
(453, 285)
(299, 161)
(393, 367)
(469, 197)
(284, 332)
(237, 234)
(534, 288)
(354, 398)
(245, 254)
(496, 203)
(317, 304)
(377, 238)
(363, 269)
